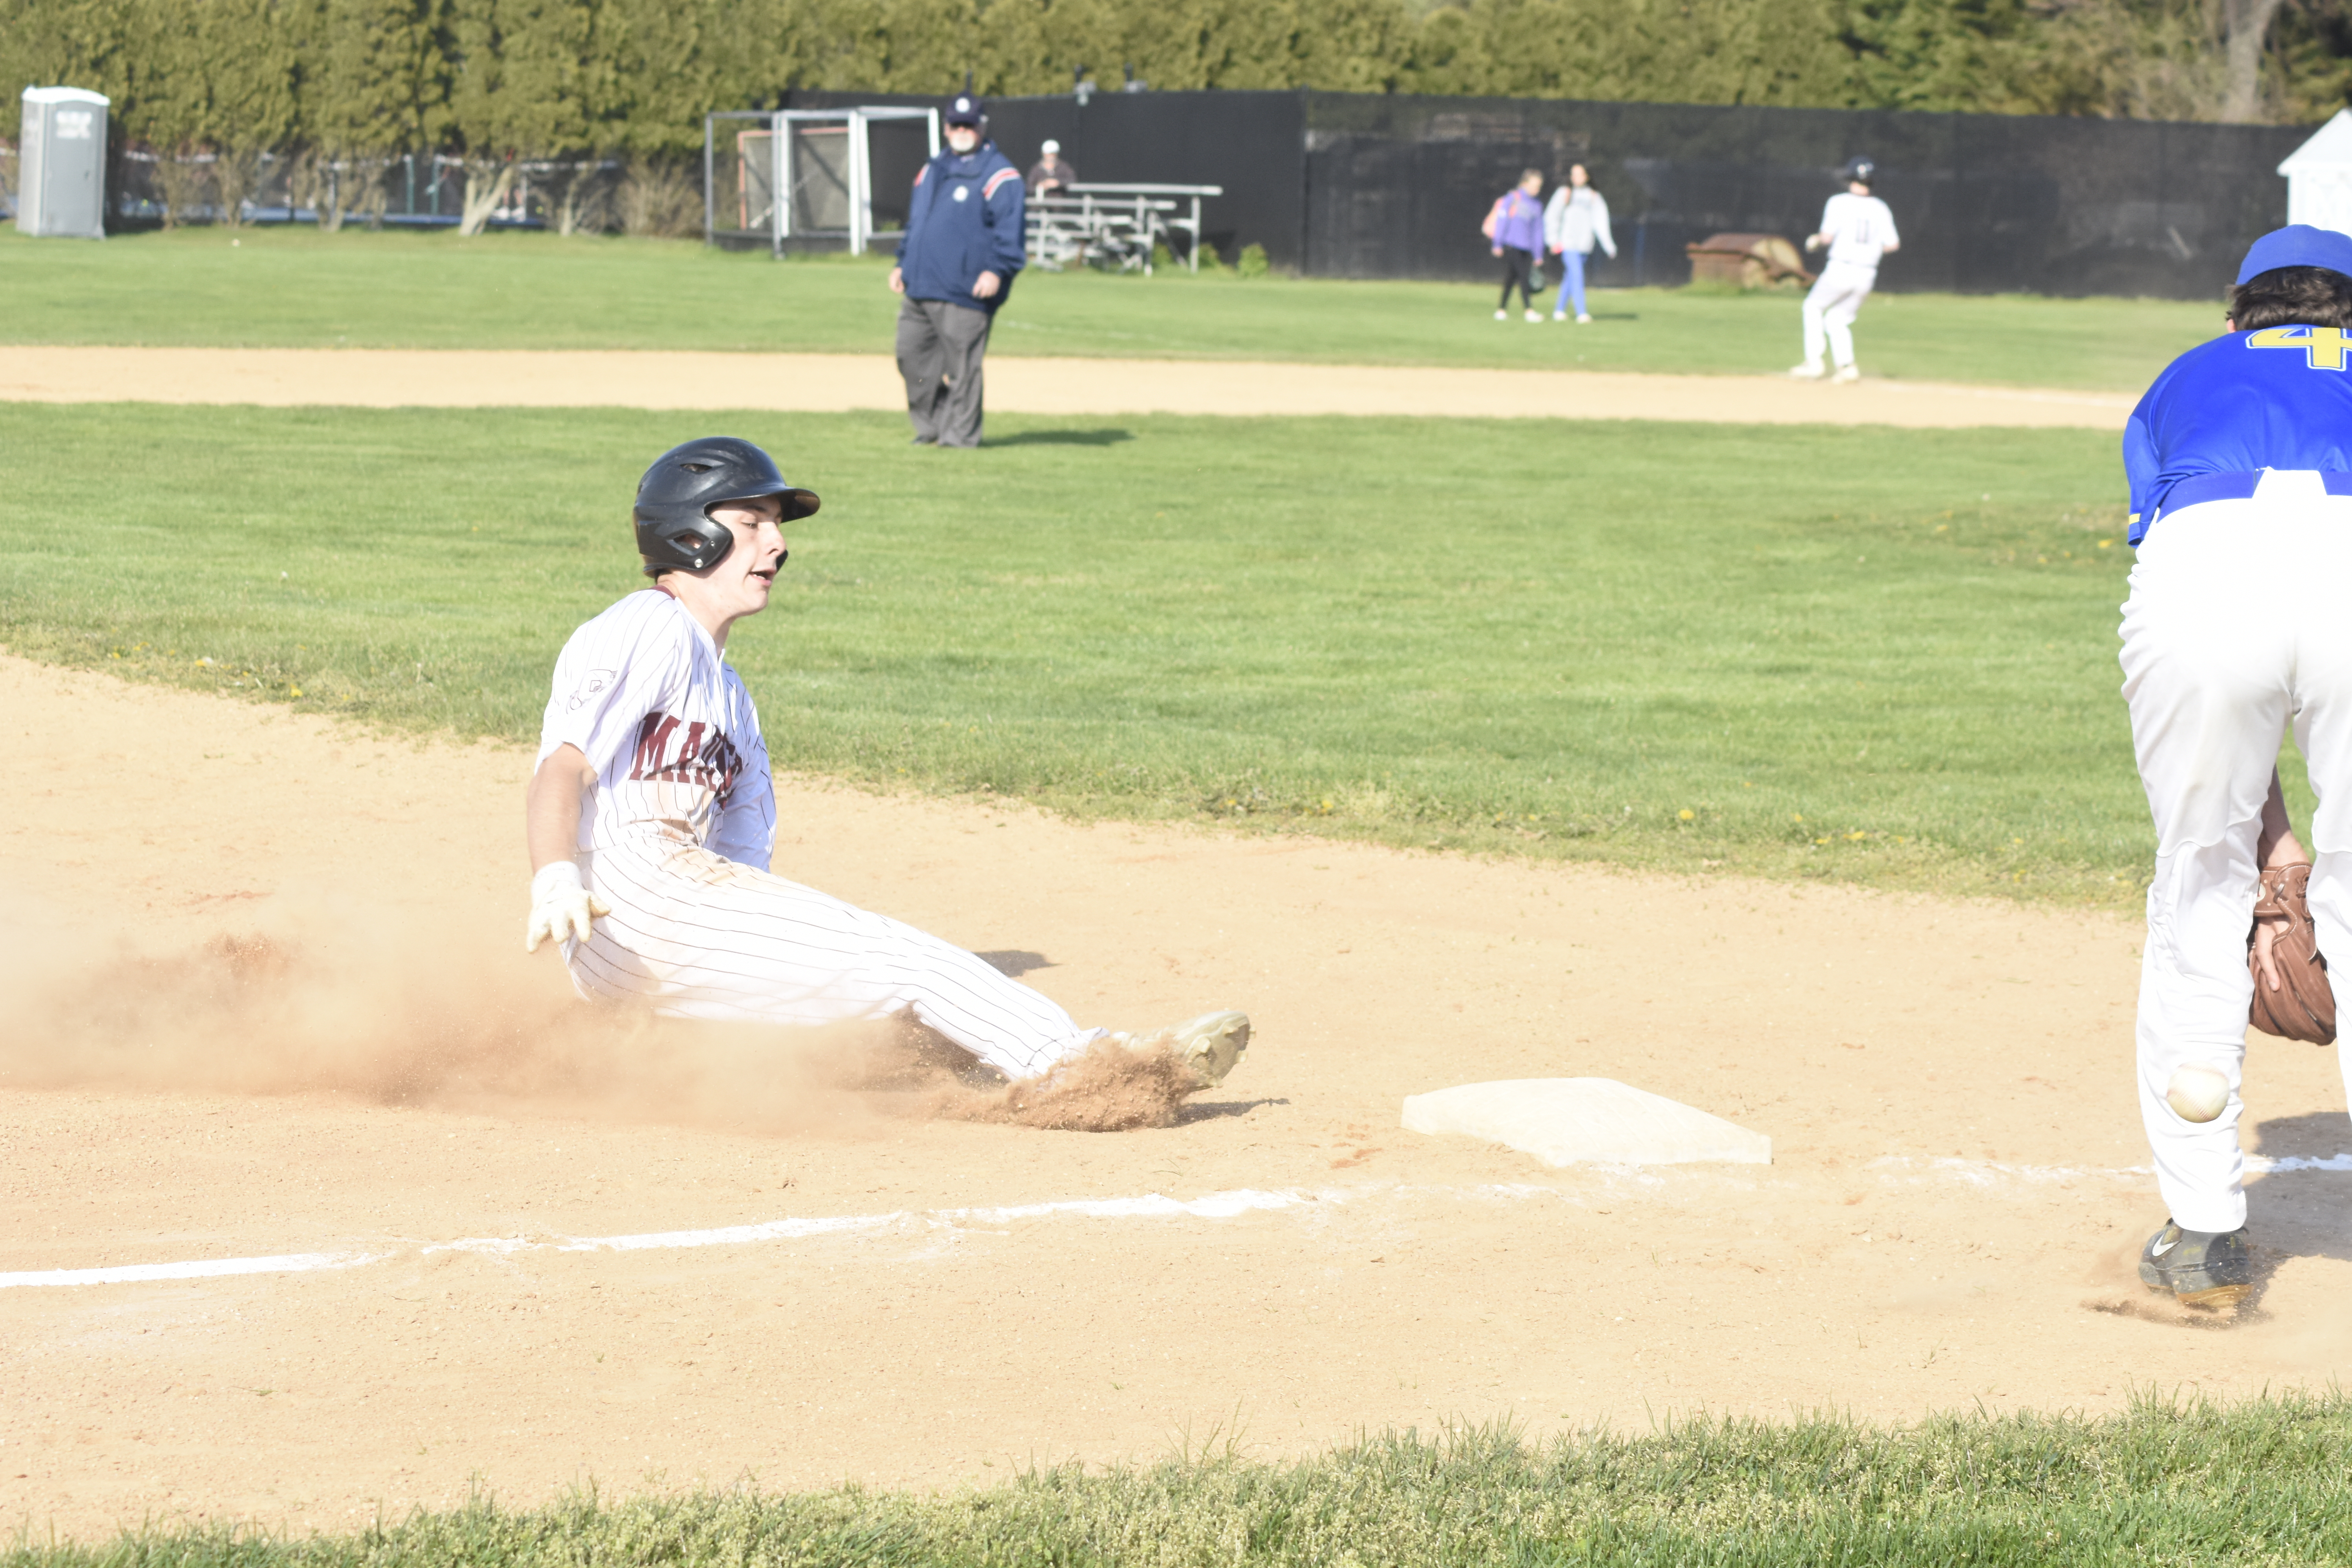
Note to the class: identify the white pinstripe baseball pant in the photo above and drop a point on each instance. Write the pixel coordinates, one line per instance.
(698, 936)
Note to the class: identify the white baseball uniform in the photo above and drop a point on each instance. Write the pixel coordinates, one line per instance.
(2234, 630)
(677, 834)
(2240, 462)
(1860, 228)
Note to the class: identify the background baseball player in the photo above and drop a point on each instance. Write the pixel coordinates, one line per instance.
(651, 815)
(2240, 462)
(1858, 229)
(963, 243)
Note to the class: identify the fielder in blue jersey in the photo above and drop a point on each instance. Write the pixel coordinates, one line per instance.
(963, 243)
(2240, 462)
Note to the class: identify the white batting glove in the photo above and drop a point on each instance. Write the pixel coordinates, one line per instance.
(561, 907)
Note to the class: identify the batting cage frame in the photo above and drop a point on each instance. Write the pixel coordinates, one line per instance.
(827, 164)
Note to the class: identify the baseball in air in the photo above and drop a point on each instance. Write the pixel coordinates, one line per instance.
(2199, 1094)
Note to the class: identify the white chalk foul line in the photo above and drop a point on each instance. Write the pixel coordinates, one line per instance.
(2257, 1165)
(1150, 1205)
(1989, 1173)
(207, 1268)
(1986, 1172)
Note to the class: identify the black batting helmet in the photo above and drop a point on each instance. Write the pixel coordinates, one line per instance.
(1858, 168)
(674, 500)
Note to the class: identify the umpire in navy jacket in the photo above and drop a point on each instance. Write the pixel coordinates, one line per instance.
(962, 245)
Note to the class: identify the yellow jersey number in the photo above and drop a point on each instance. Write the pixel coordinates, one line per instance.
(2324, 348)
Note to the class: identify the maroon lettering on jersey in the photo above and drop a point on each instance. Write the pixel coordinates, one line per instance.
(701, 755)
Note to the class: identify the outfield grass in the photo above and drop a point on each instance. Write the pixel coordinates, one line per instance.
(297, 287)
(2259, 1483)
(1881, 656)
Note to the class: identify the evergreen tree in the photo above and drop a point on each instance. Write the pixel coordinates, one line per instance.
(353, 82)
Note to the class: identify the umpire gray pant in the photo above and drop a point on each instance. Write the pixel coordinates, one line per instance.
(940, 349)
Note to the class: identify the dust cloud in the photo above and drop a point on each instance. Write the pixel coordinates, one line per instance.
(1111, 1088)
(392, 1009)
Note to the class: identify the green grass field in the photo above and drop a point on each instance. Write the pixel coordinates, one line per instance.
(1856, 654)
(2260, 1483)
(293, 287)
(1845, 654)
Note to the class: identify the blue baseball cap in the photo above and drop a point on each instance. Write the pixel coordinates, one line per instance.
(966, 110)
(2298, 245)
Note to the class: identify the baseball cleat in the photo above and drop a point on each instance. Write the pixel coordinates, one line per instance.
(1212, 1045)
(2200, 1267)
(1846, 372)
(1811, 370)
(1535, 315)
(1502, 315)
(1583, 320)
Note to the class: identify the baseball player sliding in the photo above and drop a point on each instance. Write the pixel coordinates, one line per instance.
(1858, 229)
(2240, 462)
(651, 815)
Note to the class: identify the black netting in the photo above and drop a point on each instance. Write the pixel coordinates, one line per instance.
(1360, 186)
(898, 149)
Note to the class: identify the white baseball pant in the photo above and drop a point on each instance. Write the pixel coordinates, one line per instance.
(698, 936)
(2235, 628)
(1830, 306)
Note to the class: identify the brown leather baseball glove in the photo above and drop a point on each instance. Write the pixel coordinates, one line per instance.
(2303, 1006)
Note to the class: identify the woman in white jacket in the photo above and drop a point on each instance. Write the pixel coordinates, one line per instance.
(1575, 219)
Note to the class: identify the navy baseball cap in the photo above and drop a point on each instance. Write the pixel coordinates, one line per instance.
(966, 110)
(2298, 245)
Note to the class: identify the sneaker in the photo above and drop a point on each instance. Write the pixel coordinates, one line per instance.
(2200, 1267)
(1846, 372)
(1583, 320)
(1535, 315)
(1811, 370)
(1212, 1045)
(1502, 315)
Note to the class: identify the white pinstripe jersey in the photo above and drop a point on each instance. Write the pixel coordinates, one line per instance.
(670, 730)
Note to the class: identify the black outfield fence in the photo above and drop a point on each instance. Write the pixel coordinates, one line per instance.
(1251, 143)
(1365, 186)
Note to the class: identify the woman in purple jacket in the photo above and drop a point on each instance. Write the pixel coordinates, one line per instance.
(1515, 228)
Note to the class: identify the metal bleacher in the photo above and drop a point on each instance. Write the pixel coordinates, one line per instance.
(1118, 227)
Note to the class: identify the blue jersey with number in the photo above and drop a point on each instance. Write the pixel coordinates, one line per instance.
(2277, 398)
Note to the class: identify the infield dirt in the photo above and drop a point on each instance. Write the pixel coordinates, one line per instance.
(461, 378)
(265, 996)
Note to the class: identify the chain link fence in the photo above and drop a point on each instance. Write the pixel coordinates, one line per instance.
(148, 188)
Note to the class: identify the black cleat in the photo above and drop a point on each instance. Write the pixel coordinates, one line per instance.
(2200, 1267)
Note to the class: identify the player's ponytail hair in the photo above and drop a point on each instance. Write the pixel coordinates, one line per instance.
(2292, 296)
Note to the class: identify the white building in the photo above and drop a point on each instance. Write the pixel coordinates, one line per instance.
(2319, 178)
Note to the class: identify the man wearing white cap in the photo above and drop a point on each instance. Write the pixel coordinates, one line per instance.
(2239, 463)
(1052, 173)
